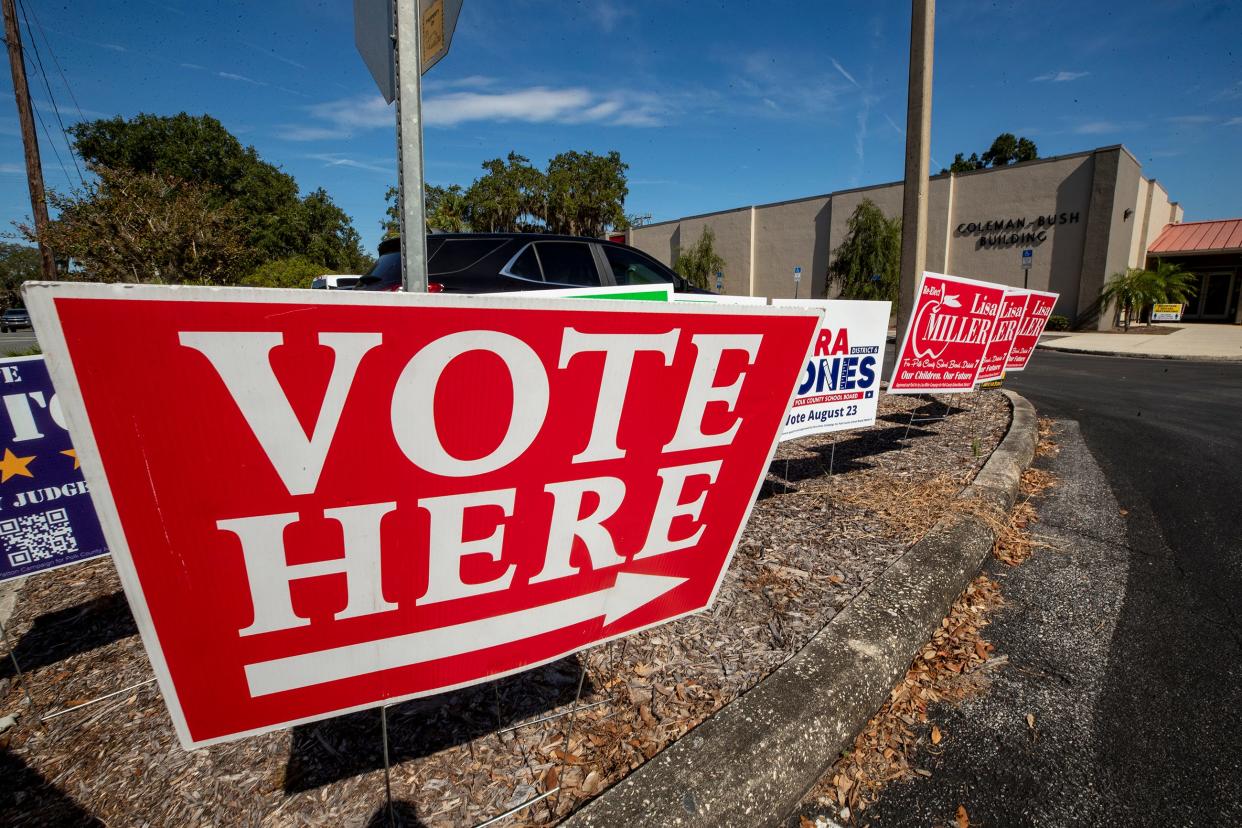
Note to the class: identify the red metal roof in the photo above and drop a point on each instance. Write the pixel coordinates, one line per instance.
(1199, 237)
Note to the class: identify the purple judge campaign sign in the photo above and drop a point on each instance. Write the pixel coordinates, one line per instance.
(46, 516)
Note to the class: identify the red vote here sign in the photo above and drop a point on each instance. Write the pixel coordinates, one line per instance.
(1031, 328)
(947, 336)
(320, 502)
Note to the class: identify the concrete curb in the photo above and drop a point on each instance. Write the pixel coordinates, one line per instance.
(1096, 352)
(752, 762)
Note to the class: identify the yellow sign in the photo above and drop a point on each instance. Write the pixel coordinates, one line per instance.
(1166, 313)
(434, 44)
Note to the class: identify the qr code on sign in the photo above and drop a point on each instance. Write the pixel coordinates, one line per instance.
(38, 537)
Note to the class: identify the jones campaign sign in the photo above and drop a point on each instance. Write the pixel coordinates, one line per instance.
(323, 501)
(948, 333)
(1031, 328)
(1003, 335)
(840, 384)
(46, 516)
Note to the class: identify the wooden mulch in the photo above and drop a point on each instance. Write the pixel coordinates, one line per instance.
(815, 540)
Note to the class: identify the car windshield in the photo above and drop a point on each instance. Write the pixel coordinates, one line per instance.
(387, 268)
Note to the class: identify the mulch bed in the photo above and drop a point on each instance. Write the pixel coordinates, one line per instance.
(835, 511)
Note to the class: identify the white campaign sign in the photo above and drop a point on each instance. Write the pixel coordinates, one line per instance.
(839, 388)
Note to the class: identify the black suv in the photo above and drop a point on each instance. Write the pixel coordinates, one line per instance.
(499, 262)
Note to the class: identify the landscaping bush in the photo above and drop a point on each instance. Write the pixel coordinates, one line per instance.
(1058, 323)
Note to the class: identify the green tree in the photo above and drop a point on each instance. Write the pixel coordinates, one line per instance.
(867, 263)
(586, 193)
(294, 272)
(1006, 149)
(19, 263)
(131, 226)
(698, 264)
(197, 148)
(510, 196)
(961, 164)
(445, 209)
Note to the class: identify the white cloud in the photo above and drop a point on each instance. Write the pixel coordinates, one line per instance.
(1234, 121)
(1060, 77)
(192, 66)
(241, 78)
(608, 13)
(844, 73)
(334, 159)
(12, 169)
(1100, 127)
(1191, 120)
(538, 105)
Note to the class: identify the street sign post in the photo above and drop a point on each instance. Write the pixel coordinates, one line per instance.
(797, 280)
(384, 30)
(324, 501)
(719, 281)
(1028, 256)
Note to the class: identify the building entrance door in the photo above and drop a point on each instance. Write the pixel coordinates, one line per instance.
(1215, 298)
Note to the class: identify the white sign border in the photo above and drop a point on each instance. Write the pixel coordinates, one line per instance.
(1055, 298)
(40, 298)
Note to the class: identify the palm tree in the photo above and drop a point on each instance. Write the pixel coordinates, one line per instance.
(1138, 288)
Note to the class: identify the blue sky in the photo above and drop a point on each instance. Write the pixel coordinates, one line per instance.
(713, 105)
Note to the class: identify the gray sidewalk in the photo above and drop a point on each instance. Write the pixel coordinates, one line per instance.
(1193, 341)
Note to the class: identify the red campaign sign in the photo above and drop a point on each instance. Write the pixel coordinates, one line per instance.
(1031, 328)
(1003, 334)
(949, 331)
(319, 502)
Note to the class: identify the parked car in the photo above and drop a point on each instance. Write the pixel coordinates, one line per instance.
(335, 281)
(500, 262)
(14, 318)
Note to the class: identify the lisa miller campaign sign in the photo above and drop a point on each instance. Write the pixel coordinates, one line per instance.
(319, 503)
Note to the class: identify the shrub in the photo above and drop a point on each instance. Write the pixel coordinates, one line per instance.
(1058, 323)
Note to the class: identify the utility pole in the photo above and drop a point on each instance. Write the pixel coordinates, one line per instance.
(409, 72)
(30, 141)
(918, 149)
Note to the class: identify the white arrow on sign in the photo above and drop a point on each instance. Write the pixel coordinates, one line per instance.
(628, 593)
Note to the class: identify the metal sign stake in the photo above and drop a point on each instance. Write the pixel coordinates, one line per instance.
(392, 819)
(21, 676)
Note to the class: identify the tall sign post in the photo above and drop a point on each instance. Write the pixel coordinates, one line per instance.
(384, 30)
(1028, 256)
(410, 147)
(918, 142)
(797, 280)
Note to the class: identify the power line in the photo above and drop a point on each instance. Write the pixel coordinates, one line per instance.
(43, 33)
(52, 99)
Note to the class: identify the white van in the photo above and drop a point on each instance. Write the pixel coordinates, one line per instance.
(344, 281)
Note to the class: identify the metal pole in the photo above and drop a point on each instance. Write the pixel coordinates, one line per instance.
(392, 819)
(410, 144)
(30, 141)
(21, 677)
(918, 148)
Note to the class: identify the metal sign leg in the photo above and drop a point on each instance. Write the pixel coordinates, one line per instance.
(21, 676)
(392, 820)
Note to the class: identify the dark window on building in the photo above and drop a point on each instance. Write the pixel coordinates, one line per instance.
(568, 263)
(629, 268)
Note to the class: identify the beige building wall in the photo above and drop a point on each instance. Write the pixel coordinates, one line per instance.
(1084, 216)
(788, 235)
